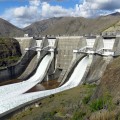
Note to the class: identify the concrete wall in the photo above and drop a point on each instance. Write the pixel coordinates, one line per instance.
(63, 59)
(117, 46)
(99, 43)
(96, 69)
(65, 48)
(25, 42)
(30, 68)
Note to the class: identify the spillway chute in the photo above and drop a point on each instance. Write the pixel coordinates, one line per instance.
(26, 98)
(19, 88)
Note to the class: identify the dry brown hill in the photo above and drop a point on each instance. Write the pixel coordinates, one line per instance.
(72, 25)
(62, 26)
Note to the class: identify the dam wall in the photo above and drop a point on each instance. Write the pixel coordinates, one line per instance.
(117, 46)
(65, 47)
(65, 58)
(78, 59)
(97, 69)
(25, 42)
(68, 51)
(108, 45)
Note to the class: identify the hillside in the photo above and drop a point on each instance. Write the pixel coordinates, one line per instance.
(9, 51)
(110, 81)
(7, 29)
(72, 25)
(114, 28)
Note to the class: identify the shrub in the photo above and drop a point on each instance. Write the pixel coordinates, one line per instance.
(86, 99)
(118, 116)
(78, 115)
(104, 102)
(47, 116)
(96, 105)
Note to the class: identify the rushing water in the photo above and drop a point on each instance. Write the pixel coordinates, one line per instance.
(45, 86)
(10, 82)
(39, 87)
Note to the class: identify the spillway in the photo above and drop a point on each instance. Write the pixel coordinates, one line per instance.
(12, 72)
(14, 103)
(11, 90)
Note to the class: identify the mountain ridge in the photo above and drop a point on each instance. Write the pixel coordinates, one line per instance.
(8, 30)
(61, 26)
(71, 25)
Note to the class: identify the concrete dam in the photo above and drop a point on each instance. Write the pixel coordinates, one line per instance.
(71, 60)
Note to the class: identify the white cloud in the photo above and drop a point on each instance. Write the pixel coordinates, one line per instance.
(36, 10)
(39, 9)
(92, 8)
(23, 15)
(53, 11)
(34, 2)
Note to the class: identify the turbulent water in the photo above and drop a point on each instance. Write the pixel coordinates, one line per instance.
(43, 86)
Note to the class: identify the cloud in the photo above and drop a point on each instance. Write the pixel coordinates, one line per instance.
(90, 8)
(48, 11)
(34, 2)
(41, 9)
(23, 15)
(36, 10)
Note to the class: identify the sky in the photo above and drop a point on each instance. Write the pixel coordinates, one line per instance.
(22, 13)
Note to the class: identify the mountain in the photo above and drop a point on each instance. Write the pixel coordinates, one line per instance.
(7, 29)
(115, 14)
(71, 25)
(114, 28)
(62, 26)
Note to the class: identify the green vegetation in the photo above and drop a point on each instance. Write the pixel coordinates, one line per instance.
(78, 115)
(11, 58)
(103, 102)
(86, 99)
(9, 51)
(46, 116)
(97, 105)
(16, 58)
